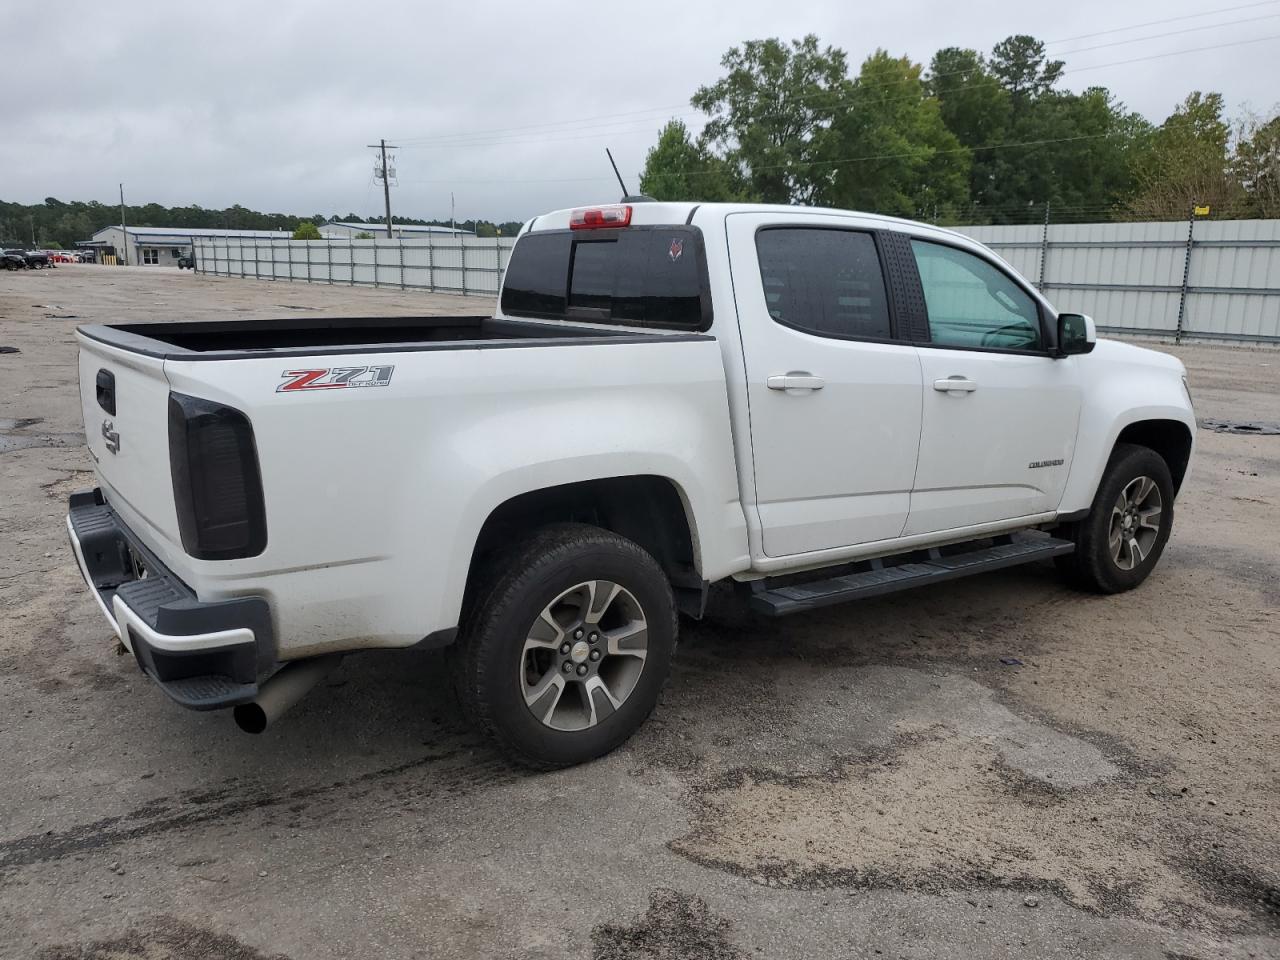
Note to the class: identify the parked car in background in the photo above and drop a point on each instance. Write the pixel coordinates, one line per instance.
(88, 256)
(33, 258)
(12, 261)
(187, 261)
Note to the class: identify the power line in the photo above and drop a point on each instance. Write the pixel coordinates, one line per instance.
(1171, 53)
(1173, 33)
(464, 138)
(1155, 23)
(911, 96)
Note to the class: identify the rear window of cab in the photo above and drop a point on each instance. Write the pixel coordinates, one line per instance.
(643, 276)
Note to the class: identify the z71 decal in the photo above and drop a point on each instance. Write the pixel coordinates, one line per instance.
(336, 378)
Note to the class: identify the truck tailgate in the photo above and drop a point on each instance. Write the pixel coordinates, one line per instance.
(124, 397)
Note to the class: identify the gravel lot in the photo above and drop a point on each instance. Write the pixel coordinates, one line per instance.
(857, 782)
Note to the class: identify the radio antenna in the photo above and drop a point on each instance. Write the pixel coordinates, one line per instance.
(625, 192)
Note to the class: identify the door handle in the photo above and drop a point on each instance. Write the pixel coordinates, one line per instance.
(795, 381)
(955, 384)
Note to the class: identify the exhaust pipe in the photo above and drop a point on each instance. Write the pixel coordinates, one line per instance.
(282, 691)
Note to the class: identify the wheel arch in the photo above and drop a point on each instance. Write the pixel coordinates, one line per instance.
(1171, 439)
(651, 510)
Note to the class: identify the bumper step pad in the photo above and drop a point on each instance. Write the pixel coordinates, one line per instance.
(879, 579)
(200, 675)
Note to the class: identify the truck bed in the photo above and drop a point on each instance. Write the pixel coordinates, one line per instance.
(294, 336)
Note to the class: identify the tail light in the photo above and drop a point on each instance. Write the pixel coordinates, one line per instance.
(618, 215)
(217, 486)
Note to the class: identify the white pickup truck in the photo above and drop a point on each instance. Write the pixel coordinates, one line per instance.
(820, 405)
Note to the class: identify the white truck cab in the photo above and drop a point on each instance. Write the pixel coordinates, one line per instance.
(820, 404)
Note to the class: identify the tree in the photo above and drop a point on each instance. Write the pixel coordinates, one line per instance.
(307, 231)
(363, 235)
(676, 168)
(973, 103)
(1019, 63)
(975, 107)
(888, 149)
(1187, 163)
(769, 114)
(1256, 164)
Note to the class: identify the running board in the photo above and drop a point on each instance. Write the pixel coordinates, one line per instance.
(879, 578)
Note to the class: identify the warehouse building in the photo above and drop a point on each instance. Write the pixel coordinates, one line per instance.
(162, 246)
(345, 230)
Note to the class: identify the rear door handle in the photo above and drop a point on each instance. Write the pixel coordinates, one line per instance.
(956, 384)
(795, 381)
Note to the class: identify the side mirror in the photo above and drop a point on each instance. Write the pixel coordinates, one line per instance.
(1076, 334)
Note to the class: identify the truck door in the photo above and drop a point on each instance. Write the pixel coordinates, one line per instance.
(834, 399)
(1000, 413)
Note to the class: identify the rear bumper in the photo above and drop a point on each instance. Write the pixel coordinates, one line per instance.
(203, 655)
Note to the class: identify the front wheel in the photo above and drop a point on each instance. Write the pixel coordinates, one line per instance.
(1119, 543)
(566, 646)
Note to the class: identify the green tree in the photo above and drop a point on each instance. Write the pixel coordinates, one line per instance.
(1256, 164)
(770, 113)
(975, 107)
(677, 168)
(973, 103)
(889, 150)
(307, 231)
(1020, 64)
(1187, 163)
(363, 235)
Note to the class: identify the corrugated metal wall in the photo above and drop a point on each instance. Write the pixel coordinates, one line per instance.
(1141, 278)
(446, 264)
(1224, 279)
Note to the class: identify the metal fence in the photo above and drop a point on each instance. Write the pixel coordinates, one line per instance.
(446, 264)
(1207, 280)
(1203, 280)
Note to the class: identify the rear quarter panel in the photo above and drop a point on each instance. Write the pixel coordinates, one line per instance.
(375, 496)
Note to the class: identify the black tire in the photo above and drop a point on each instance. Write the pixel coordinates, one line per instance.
(490, 662)
(1094, 566)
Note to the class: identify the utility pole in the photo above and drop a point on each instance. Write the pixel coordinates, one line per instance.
(124, 228)
(386, 181)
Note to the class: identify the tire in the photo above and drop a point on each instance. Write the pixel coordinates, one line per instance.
(510, 659)
(1120, 542)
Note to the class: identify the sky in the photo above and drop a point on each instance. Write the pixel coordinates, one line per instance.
(508, 106)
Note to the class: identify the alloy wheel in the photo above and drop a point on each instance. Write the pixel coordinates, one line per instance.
(1135, 522)
(583, 655)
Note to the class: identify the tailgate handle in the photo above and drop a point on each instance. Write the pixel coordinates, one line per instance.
(106, 387)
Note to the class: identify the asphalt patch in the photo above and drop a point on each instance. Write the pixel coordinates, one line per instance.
(1255, 427)
(676, 926)
(161, 938)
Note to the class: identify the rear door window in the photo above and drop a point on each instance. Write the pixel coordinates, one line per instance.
(823, 281)
(633, 276)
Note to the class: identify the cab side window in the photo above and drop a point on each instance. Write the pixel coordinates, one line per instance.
(973, 304)
(825, 282)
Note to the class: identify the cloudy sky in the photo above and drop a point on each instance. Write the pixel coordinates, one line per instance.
(508, 105)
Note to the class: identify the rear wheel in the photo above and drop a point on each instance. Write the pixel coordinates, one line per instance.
(566, 647)
(1119, 543)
